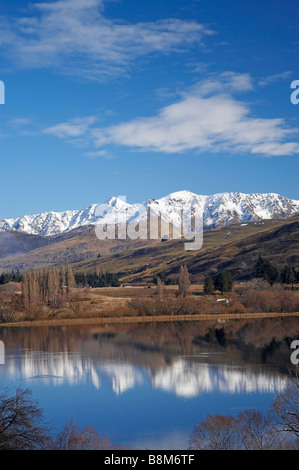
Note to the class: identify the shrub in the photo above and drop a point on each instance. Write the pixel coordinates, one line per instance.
(170, 305)
(281, 301)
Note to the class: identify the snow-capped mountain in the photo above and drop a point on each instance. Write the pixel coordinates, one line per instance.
(217, 210)
(182, 377)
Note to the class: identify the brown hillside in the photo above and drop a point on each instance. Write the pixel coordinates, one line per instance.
(235, 248)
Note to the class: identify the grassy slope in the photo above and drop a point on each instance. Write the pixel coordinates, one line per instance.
(63, 249)
(235, 247)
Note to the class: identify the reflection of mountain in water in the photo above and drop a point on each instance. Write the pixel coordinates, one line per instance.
(188, 379)
(185, 377)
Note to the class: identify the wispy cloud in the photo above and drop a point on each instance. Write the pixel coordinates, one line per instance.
(203, 119)
(275, 78)
(100, 154)
(230, 82)
(75, 36)
(20, 122)
(75, 128)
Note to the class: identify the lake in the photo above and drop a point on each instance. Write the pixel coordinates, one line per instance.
(146, 385)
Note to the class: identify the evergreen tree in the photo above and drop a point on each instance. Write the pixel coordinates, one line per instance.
(288, 275)
(80, 279)
(260, 267)
(209, 287)
(265, 270)
(223, 282)
(12, 276)
(97, 280)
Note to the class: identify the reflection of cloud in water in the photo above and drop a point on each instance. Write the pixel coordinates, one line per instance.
(184, 377)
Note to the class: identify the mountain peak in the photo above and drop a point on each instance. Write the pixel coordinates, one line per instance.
(218, 210)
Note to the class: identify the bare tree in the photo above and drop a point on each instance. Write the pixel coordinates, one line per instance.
(46, 287)
(160, 289)
(54, 306)
(62, 283)
(216, 432)
(286, 407)
(21, 422)
(70, 279)
(53, 287)
(250, 430)
(257, 432)
(184, 281)
(9, 305)
(87, 438)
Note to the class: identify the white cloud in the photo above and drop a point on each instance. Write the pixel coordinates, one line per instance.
(201, 122)
(206, 118)
(224, 82)
(237, 81)
(277, 148)
(75, 36)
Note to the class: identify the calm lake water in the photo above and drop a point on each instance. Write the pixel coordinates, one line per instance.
(147, 385)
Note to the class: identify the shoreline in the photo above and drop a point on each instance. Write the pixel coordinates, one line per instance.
(144, 319)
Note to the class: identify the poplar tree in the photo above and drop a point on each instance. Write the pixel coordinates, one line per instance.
(62, 275)
(30, 292)
(53, 285)
(160, 288)
(46, 285)
(184, 281)
(70, 279)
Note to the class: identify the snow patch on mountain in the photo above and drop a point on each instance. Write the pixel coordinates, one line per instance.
(217, 210)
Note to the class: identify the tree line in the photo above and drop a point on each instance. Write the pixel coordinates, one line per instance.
(12, 276)
(222, 282)
(263, 269)
(252, 430)
(94, 279)
(288, 275)
(46, 285)
(61, 278)
(47, 291)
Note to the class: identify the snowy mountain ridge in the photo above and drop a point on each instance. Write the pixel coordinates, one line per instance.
(217, 210)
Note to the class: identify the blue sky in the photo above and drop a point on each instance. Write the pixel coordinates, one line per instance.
(144, 98)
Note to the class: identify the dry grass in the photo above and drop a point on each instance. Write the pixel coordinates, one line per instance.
(135, 304)
(146, 319)
(142, 258)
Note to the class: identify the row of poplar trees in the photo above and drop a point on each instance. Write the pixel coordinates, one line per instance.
(47, 285)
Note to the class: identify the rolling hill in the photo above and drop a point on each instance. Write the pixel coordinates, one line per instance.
(235, 247)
